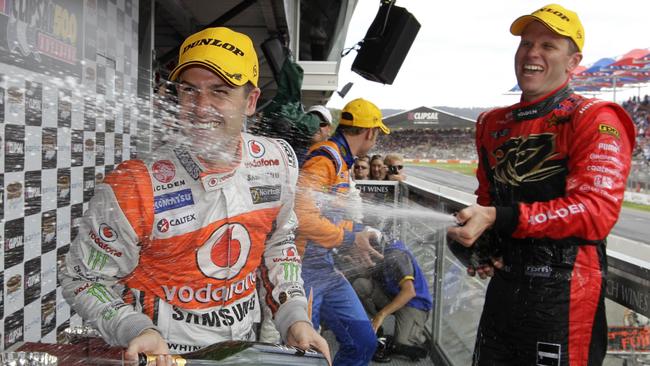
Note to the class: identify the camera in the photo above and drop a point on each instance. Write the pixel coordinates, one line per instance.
(393, 170)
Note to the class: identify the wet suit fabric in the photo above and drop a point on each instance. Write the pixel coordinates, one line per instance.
(555, 169)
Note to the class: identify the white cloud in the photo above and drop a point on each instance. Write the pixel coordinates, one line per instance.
(463, 54)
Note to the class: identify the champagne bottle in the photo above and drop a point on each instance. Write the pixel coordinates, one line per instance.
(242, 353)
(478, 253)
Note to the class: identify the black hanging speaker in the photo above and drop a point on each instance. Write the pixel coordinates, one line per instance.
(386, 44)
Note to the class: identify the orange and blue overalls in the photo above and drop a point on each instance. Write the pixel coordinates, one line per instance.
(320, 204)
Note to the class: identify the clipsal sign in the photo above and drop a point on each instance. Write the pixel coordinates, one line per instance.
(419, 116)
(423, 118)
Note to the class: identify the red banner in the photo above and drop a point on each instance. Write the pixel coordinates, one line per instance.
(628, 339)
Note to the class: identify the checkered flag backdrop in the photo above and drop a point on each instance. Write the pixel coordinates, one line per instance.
(67, 92)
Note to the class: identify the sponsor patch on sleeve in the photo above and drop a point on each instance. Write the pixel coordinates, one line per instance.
(290, 155)
(603, 128)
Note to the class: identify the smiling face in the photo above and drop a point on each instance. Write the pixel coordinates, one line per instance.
(211, 111)
(544, 61)
(377, 169)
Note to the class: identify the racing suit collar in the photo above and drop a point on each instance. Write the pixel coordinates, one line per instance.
(540, 107)
(344, 148)
(208, 168)
(216, 177)
(210, 177)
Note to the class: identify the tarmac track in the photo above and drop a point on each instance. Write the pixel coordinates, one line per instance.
(632, 224)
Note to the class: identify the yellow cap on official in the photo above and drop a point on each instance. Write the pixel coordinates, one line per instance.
(364, 114)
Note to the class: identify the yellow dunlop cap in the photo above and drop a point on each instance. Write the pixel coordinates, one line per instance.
(228, 53)
(558, 19)
(362, 113)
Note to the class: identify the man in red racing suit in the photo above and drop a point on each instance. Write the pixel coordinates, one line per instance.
(169, 252)
(552, 173)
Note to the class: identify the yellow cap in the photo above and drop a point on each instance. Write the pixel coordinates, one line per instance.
(556, 18)
(228, 53)
(364, 114)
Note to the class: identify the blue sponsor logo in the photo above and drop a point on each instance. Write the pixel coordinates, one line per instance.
(173, 200)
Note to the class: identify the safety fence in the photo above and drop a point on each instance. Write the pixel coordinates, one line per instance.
(458, 298)
(639, 179)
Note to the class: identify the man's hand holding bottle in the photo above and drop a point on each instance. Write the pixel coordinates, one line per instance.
(150, 342)
(302, 335)
(473, 222)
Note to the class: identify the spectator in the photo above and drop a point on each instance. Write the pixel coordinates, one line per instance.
(377, 168)
(639, 110)
(394, 167)
(361, 169)
(640, 113)
(325, 117)
(549, 211)
(331, 220)
(154, 247)
(398, 287)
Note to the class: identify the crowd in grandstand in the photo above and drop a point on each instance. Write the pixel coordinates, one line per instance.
(459, 143)
(429, 144)
(639, 109)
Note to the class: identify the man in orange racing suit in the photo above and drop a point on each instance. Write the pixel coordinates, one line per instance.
(167, 255)
(552, 173)
(326, 206)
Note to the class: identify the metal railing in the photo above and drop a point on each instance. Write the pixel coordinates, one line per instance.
(459, 298)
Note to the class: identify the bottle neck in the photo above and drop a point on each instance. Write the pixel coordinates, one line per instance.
(147, 360)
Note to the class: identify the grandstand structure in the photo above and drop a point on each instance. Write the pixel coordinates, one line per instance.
(426, 133)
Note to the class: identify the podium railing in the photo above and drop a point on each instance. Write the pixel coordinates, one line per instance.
(458, 298)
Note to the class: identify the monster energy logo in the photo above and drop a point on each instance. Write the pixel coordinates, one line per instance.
(290, 271)
(97, 260)
(109, 314)
(100, 292)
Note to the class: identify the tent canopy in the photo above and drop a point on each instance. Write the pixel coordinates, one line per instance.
(630, 69)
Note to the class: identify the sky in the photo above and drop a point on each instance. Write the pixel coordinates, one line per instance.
(463, 55)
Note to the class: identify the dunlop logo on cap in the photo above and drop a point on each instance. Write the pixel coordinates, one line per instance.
(214, 42)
